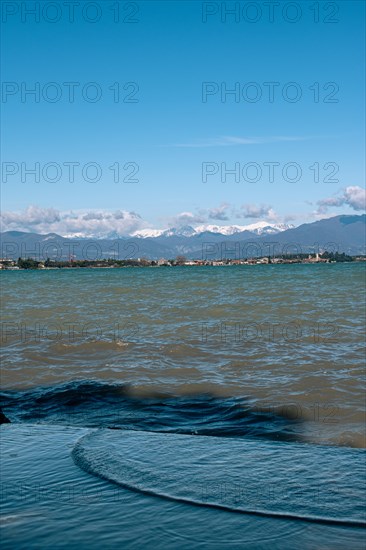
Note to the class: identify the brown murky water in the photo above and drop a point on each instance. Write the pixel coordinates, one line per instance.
(289, 340)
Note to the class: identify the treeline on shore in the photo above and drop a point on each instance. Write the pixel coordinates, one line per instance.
(30, 263)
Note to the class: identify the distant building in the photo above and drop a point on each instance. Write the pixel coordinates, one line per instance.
(163, 261)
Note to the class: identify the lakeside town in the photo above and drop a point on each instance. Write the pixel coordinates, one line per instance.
(31, 263)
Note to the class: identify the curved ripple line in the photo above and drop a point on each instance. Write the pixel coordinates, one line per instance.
(83, 459)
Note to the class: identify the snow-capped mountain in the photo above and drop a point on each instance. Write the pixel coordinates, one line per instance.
(346, 233)
(148, 233)
(184, 231)
(259, 228)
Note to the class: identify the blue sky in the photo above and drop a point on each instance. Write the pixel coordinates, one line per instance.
(170, 134)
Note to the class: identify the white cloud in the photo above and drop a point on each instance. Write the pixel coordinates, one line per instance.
(257, 211)
(186, 218)
(32, 216)
(200, 216)
(225, 212)
(352, 196)
(90, 223)
(219, 213)
(237, 140)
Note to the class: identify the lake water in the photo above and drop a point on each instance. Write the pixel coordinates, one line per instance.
(230, 390)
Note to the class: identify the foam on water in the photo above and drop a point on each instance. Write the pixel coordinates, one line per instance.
(297, 481)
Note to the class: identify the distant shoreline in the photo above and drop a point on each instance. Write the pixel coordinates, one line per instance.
(32, 264)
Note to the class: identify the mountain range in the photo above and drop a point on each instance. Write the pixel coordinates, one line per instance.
(345, 233)
(259, 228)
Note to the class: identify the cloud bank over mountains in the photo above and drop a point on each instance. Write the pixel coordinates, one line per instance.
(111, 224)
(72, 223)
